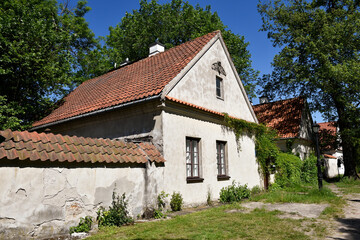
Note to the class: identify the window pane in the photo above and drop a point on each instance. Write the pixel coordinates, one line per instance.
(196, 171)
(188, 170)
(195, 158)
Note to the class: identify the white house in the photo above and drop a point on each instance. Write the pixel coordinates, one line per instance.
(150, 126)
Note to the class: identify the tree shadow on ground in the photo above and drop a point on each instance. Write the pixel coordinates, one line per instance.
(351, 227)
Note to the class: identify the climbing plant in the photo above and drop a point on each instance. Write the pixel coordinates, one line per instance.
(266, 149)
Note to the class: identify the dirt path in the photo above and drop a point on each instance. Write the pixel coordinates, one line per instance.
(347, 227)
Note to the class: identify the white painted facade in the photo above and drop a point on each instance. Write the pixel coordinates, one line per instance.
(51, 199)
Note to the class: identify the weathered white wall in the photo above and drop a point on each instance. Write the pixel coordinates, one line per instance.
(242, 166)
(37, 202)
(198, 86)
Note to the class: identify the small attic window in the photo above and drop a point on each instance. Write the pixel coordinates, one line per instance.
(219, 88)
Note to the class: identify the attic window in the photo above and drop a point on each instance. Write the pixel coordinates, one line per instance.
(219, 88)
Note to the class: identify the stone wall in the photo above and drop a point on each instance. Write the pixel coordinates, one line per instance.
(45, 199)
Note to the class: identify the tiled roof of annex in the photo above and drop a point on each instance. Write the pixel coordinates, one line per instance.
(284, 116)
(35, 146)
(142, 79)
(329, 127)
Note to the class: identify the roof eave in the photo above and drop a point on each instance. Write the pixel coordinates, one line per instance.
(95, 112)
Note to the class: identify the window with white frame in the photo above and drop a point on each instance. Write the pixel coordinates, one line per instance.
(221, 158)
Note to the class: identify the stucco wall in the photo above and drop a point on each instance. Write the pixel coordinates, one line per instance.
(198, 86)
(42, 201)
(242, 166)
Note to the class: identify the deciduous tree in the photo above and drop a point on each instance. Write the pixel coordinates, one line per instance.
(320, 59)
(42, 44)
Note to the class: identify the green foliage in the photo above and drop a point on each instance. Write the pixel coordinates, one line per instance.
(234, 193)
(288, 170)
(319, 59)
(255, 190)
(83, 226)
(161, 199)
(158, 214)
(41, 45)
(265, 146)
(309, 170)
(208, 198)
(176, 202)
(8, 115)
(117, 215)
(172, 24)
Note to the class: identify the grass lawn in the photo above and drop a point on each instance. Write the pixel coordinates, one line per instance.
(349, 185)
(232, 222)
(214, 223)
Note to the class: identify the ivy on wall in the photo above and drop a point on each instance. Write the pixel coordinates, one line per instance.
(266, 149)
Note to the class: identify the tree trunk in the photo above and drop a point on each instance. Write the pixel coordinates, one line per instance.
(346, 141)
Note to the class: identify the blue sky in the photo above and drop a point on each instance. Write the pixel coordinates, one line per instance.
(240, 16)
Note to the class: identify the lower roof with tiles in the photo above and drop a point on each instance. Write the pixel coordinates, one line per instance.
(284, 116)
(139, 80)
(33, 146)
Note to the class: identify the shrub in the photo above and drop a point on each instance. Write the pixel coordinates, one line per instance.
(288, 170)
(234, 193)
(117, 215)
(83, 226)
(161, 200)
(309, 170)
(208, 198)
(176, 202)
(255, 190)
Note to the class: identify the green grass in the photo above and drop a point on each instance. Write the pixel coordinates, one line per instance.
(349, 185)
(214, 223)
(299, 194)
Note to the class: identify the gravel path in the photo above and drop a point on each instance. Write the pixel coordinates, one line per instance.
(347, 227)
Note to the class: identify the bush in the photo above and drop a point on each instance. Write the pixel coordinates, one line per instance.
(309, 170)
(83, 226)
(117, 215)
(176, 202)
(288, 170)
(161, 200)
(234, 193)
(255, 190)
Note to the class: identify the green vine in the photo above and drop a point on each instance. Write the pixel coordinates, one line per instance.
(266, 149)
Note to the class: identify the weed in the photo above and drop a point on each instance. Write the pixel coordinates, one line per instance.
(117, 215)
(234, 193)
(176, 202)
(83, 226)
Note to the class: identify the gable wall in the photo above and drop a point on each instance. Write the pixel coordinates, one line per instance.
(198, 86)
(242, 165)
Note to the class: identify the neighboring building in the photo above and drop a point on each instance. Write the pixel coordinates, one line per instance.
(292, 120)
(162, 116)
(331, 149)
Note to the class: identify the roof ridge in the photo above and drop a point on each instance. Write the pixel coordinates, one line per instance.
(140, 80)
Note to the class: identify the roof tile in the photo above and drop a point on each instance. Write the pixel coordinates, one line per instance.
(284, 116)
(141, 79)
(68, 148)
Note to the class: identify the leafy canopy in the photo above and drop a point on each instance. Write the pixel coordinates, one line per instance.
(172, 24)
(319, 59)
(42, 44)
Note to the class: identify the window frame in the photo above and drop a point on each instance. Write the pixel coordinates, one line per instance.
(193, 178)
(221, 160)
(219, 89)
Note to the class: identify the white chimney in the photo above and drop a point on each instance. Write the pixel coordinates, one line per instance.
(263, 99)
(156, 48)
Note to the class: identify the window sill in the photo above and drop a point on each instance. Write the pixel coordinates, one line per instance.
(220, 98)
(223, 177)
(194, 179)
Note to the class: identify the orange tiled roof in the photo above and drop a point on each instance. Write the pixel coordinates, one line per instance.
(329, 127)
(35, 146)
(283, 116)
(139, 80)
(329, 156)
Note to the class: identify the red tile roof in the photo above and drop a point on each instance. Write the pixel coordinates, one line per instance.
(283, 116)
(329, 127)
(329, 156)
(35, 146)
(139, 80)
